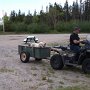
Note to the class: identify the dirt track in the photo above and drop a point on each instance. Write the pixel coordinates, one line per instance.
(15, 75)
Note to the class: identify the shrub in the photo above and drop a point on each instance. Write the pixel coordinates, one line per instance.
(7, 26)
(64, 26)
(43, 28)
(38, 28)
(32, 28)
(19, 27)
(68, 26)
(85, 26)
(61, 27)
(1, 28)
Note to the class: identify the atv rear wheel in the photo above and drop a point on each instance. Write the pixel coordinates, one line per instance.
(24, 57)
(86, 65)
(56, 62)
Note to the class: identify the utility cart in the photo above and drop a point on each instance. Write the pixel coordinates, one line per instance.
(38, 53)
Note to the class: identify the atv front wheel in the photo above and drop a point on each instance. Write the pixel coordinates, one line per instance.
(86, 65)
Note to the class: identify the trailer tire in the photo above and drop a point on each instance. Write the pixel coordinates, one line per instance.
(86, 65)
(24, 57)
(56, 62)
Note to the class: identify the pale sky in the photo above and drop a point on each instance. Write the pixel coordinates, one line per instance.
(25, 5)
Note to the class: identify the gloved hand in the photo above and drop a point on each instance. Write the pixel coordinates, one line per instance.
(83, 42)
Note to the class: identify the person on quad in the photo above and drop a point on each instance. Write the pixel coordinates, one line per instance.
(75, 43)
(75, 40)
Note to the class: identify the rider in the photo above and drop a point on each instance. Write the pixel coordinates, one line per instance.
(75, 40)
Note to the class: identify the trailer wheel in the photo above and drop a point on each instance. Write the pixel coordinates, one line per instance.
(24, 57)
(56, 62)
(86, 65)
(38, 59)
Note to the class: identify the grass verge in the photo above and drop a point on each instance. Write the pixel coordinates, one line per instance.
(75, 88)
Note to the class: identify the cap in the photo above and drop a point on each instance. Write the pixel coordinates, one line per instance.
(76, 28)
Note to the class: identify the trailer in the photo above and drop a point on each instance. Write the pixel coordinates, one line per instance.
(38, 53)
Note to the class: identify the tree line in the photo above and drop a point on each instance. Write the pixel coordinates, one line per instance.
(56, 19)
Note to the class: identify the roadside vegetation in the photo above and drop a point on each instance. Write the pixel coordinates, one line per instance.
(56, 19)
(75, 88)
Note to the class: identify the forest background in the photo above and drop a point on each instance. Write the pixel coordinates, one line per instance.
(56, 19)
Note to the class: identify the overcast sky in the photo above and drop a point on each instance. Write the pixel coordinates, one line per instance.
(25, 5)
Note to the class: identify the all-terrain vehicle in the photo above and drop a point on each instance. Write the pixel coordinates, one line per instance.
(67, 57)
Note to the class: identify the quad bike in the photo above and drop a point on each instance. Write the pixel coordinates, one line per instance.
(67, 57)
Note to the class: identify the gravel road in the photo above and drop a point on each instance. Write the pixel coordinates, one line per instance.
(15, 75)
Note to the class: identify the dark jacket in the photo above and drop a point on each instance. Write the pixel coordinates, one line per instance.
(73, 37)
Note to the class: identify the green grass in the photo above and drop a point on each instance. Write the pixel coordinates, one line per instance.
(88, 75)
(44, 78)
(49, 80)
(6, 33)
(12, 33)
(75, 88)
(5, 70)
